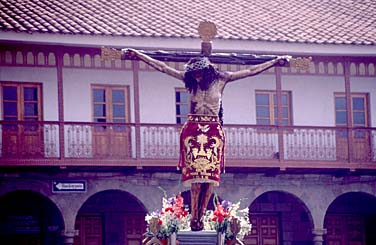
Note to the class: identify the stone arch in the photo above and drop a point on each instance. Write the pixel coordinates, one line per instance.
(28, 216)
(351, 216)
(112, 216)
(285, 209)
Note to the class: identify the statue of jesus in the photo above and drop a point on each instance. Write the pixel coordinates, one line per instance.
(202, 140)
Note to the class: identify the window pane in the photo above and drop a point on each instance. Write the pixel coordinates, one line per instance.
(31, 109)
(358, 104)
(285, 112)
(30, 94)
(177, 96)
(10, 109)
(285, 122)
(263, 121)
(340, 103)
(99, 119)
(341, 117)
(359, 118)
(284, 99)
(10, 93)
(10, 118)
(99, 95)
(118, 110)
(262, 111)
(99, 110)
(118, 96)
(182, 97)
(262, 99)
(119, 120)
(182, 110)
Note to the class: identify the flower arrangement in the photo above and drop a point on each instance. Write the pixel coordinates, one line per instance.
(228, 219)
(172, 218)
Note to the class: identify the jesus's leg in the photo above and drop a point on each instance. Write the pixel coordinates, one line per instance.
(206, 192)
(195, 198)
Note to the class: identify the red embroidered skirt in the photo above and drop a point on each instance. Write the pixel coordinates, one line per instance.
(202, 144)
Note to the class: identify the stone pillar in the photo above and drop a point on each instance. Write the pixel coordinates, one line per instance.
(318, 236)
(68, 236)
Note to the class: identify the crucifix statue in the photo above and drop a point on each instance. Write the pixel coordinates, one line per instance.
(202, 139)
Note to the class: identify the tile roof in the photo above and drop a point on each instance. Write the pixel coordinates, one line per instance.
(297, 21)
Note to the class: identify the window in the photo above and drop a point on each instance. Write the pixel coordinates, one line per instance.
(21, 101)
(267, 108)
(182, 99)
(360, 137)
(110, 104)
(359, 109)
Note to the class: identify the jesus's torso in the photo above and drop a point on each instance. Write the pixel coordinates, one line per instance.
(207, 102)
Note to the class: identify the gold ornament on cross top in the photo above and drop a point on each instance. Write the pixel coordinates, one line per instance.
(207, 31)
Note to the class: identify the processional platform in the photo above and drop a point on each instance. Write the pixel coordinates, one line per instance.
(198, 238)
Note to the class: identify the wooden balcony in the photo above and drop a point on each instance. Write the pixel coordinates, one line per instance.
(157, 145)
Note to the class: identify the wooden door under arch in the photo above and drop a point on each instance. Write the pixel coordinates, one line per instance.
(265, 230)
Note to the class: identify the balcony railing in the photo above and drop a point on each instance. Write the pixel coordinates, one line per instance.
(249, 144)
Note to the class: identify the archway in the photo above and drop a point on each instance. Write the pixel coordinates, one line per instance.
(111, 217)
(279, 218)
(27, 218)
(351, 219)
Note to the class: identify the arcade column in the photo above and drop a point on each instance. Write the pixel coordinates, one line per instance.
(318, 236)
(68, 236)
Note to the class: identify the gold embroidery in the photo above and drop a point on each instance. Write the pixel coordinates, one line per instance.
(204, 128)
(200, 157)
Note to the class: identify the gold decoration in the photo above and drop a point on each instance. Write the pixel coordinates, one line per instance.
(204, 128)
(300, 63)
(202, 159)
(207, 31)
(109, 54)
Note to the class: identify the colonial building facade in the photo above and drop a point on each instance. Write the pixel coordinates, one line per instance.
(86, 145)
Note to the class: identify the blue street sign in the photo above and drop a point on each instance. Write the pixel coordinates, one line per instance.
(68, 186)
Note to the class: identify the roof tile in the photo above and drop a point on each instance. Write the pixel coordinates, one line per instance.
(301, 21)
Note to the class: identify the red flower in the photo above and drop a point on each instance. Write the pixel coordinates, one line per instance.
(185, 213)
(159, 222)
(220, 213)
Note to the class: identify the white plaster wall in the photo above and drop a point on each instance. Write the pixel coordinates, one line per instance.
(239, 98)
(366, 85)
(313, 98)
(77, 88)
(46, 76)
(157, 97)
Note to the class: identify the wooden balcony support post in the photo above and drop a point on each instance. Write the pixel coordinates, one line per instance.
(278, 74)
(136, 91)
(60, 100)
(348, 110)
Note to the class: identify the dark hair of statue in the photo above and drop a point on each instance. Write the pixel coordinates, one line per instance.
(210, 75)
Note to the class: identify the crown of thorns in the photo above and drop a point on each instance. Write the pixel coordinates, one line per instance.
(200, 64)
